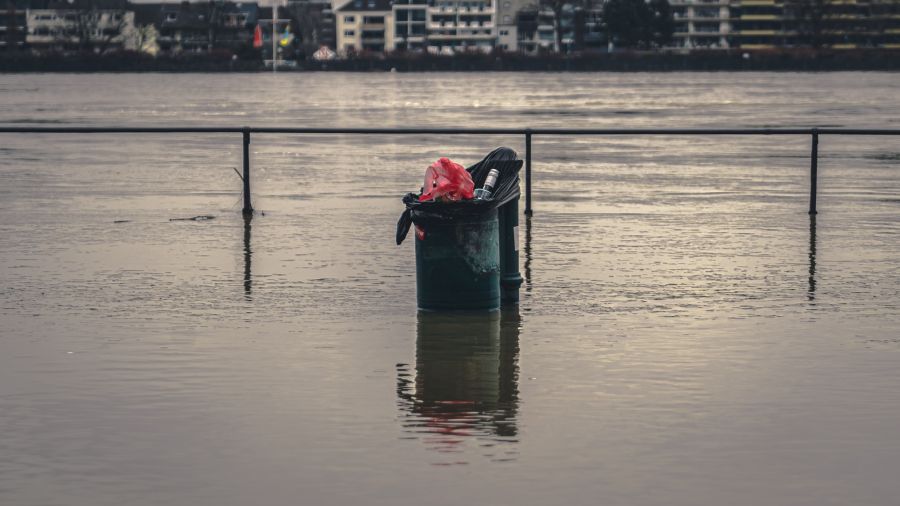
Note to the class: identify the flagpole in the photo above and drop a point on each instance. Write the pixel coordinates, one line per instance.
(274, 52)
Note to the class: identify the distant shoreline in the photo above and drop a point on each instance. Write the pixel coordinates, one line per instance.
(736, 60)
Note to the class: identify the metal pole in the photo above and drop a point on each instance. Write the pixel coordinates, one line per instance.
(814, 171)
(274, 49)
(248, 208)
(510, 277)
(528, 210)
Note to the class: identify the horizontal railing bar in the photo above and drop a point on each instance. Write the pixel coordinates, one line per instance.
(460, 131)
(122, 130)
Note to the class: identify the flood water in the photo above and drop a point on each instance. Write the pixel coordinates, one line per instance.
(687, 334)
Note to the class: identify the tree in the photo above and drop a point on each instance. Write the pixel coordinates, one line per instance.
(638, 23)
(663, 23)
(557, 7)
(313, 24)
(142, 39)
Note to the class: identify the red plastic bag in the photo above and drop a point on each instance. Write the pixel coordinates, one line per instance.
(447, 180)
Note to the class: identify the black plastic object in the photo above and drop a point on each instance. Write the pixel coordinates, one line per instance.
(505, 160)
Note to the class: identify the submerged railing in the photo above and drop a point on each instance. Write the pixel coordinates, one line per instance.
(246, 131)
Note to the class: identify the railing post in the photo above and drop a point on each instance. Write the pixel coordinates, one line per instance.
(814, 171)
(528, 210)
(248, 208)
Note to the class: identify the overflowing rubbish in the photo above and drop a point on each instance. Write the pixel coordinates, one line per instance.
(446, 180)
(485, 191)
(448, 195)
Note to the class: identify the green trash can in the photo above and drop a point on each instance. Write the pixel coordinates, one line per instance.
(458, 262)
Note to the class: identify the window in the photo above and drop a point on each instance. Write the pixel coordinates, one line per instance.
(418, 15)
(373, 20)
(349, 33)
(349, 19)
(504, 32)
(507, 20)
(402, 15)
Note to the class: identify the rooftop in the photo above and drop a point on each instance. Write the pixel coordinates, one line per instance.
(366, 6)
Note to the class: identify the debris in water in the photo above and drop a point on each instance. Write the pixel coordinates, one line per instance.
(203, 217)
(122, 221)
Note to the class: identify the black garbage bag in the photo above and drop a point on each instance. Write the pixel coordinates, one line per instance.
(507, 163)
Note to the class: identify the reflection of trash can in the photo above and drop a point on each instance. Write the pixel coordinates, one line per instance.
(458, 242)
(465, 379)
(458, 262)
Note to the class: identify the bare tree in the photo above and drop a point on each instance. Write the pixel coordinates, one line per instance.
(311, 25)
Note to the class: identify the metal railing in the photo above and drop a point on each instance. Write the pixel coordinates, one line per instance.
(246, 131)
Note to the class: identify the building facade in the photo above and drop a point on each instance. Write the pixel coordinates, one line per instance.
(461, 25)
(507, 29)
(13, 26)
(78, 29)
(835, 24)
(365, 26)
(702, 24)
(535, 30)
(410, 24)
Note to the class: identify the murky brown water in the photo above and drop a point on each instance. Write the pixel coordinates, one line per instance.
(686, 335)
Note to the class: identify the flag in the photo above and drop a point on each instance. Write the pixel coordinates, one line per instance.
(287, 37)
(257, 37)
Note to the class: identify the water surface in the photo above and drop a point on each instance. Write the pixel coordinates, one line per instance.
(687, 334)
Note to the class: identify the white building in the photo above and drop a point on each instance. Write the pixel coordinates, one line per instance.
(702, 24)
(365, 25)
(65, 28)
(507, 30)
(461, 25)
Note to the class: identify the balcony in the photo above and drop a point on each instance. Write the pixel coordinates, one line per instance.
(436, 37)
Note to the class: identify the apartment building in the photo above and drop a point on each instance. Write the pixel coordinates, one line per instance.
(13, 26)
(64, 29)
(507, 29)
(760, 24)
(535, 30)
(365, 25)
(410, 24)
(461, 25)
(702, 24)
(835, 24)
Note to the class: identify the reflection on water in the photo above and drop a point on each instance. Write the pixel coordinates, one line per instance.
(811, 291)
(683, 349)
(465, 384)
(248, 256)
(528, 253)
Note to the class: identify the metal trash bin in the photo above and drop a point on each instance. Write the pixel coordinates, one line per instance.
(458, 263)
(463, 260)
